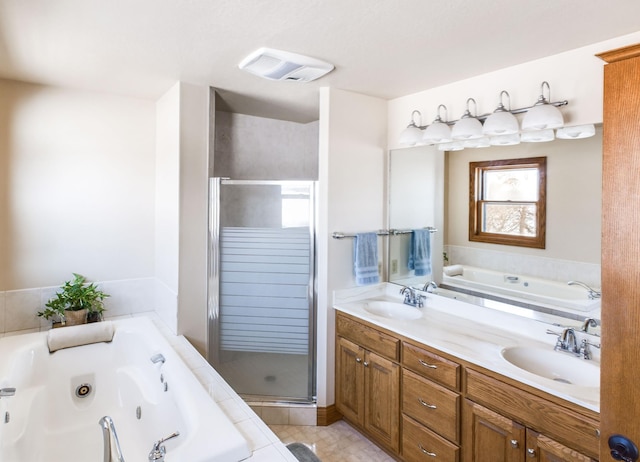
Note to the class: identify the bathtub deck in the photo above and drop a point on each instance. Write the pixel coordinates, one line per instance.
(266, 446)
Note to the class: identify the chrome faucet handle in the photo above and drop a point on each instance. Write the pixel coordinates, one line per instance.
(158, 452)
(585, 352)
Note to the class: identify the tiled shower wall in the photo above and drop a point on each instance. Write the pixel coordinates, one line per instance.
(527, 265)
(18, 308)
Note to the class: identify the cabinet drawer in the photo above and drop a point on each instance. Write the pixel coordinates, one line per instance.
(431, 366)
(369, 338)
(420, 444)
(431, 404)
(569, 427)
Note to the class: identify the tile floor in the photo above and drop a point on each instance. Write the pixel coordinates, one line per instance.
(338, 442)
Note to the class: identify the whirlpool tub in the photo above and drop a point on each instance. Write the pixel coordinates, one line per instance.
(137, 379)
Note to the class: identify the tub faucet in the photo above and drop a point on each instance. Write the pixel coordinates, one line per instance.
(588, 322)
(5, 392)
(593, 294)
(157, 451)
(158, 358)
(109, 434)
(430, 287)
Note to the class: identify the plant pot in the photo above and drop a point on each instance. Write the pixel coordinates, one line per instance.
(74, 318)
(94, 316)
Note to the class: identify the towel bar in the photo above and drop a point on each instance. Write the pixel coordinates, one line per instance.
(382, 232)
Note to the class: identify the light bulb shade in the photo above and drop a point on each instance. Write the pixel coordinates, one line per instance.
(437, 132)
(537, 136)
(505, 140)
(410, 136)
(576, 132)
(542, 117)
(467, 128)
(500, 123)
(453, 146)
(483, 142)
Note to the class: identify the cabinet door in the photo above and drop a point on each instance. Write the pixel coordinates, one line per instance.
(541, 448)
(491, 437)
(382, 400)
(350, 380)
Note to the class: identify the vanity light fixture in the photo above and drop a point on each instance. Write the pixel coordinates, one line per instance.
(543, 115)
(576, 132)
(439, 131)
(468, 127)
(412, 135)
(501, 121)
(537, 136)
(500, 128)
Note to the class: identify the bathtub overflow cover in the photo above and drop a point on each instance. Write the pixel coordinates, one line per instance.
(83, 390)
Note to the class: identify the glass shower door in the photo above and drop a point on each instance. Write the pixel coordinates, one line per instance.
(261, 297)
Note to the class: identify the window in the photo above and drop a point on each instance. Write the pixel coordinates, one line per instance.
(507, 202)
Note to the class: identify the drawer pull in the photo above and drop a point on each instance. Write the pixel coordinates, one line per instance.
(424, 451)
(425, 364)
(531, 452)
(430, 406)
(358, 360)
(514, 444)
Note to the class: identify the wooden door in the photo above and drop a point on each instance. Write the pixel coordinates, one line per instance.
(491, 437)
(382, 400)
(350, 380)
(541, 448)
(620, 383)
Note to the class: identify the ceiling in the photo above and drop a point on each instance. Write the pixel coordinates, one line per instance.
(383, 48)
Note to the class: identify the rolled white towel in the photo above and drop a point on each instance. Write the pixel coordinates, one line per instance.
(453, 270)
(67, 337)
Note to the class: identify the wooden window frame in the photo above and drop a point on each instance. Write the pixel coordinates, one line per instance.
(476, 170)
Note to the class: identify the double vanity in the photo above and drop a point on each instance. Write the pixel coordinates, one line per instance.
(453, 381)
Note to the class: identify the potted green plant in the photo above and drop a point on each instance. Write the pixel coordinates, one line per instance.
(76, 302)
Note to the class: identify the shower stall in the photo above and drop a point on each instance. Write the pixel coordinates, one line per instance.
(261, 306)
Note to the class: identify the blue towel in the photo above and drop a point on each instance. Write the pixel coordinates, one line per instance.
(420, 252)
(365, 259)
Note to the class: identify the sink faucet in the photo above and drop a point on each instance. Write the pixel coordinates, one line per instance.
(411, 298)
(593, 294)
(5, 392)
(109, 433)
(157, 451)
(566, 341)
(430, 287)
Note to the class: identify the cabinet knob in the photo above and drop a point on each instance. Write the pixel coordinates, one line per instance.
(424, 451)
(425, 404)
(514, 444)
(531, 452)
(358, 360)
(366, 364)
(426, 364)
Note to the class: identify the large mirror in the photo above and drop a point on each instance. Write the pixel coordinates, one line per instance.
(431, 188)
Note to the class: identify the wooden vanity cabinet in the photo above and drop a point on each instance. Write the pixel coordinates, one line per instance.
(523, 423)
(367, 382)
(423, 405)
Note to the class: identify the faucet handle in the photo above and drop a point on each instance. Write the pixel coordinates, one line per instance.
(158, 452)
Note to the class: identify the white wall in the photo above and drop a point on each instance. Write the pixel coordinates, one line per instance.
(194, 208)
(182, 210)
(351, 199)
(576, 76)
(77, 186)
(167, 210)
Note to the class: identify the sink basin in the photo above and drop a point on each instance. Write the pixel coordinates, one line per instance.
(554, 365)
(393, 310)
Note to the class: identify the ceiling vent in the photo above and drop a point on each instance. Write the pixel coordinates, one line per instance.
(282, 65)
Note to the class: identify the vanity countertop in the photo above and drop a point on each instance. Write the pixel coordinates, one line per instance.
(474, 334)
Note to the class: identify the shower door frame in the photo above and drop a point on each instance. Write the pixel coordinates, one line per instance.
(213, 280)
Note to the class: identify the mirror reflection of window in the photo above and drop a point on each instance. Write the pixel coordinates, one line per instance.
(508, 202)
